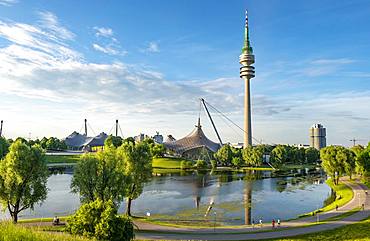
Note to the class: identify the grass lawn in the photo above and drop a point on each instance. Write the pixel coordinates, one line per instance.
(62, 159)
(42, 220)
(358, 231)
(11, 232)
(343, 191)
(265, 168)
(167, 162)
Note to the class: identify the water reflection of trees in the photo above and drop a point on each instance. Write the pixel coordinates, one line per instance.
(250, 181)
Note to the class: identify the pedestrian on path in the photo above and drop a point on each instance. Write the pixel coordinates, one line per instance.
(261, 222)
(273, 223)
(336, 207)
(278, 222)
(253, 223)
(363, 206)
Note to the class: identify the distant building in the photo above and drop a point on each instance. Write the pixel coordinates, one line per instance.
(158, 138)
(318, 136)
(78, 142)
(305, 146)
(238, 145)
(140, 137)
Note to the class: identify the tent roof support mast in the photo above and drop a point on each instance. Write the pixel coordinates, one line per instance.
(210, 118)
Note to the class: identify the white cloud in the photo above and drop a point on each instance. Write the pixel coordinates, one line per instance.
(109, 44)
(339, 61)
(8, 2)
(50, 21)
(153, 47)
(104, 32)
(106, 50)
(321, 67)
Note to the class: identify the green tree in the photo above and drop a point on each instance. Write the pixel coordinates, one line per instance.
(52, 143)
(4, 147)
(115, 141)
(312, 155)
(186, 164)
(43, 142)
(99, 220)
(158, 150)
(362, 162)
(279, 155)
(346, 156)
(224, 155)
(129, 139)
(253, 156)
(237, 161)
(23, 178)
(201, 164)
(137, 161)
(337, 160)
(99, 176)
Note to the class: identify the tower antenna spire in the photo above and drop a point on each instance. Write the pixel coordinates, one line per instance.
(247, 72)
(247, 48)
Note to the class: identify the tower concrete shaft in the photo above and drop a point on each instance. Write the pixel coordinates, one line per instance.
(247, 72)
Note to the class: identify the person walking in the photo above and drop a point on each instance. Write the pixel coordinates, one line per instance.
(278, 222)
(336, 207)
(273, 223)
(261, 222)
(253, 223)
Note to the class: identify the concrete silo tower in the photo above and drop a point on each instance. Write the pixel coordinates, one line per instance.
(318, 136)
(247, 72)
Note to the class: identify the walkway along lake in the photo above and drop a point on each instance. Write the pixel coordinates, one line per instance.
(238, 197)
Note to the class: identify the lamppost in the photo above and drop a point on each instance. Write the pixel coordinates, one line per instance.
(317, 214)
(359, 200)
(214, 226)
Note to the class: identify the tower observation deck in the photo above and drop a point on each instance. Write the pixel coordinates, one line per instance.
(246, 59)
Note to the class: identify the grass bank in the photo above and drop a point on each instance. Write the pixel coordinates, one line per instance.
(11, 232)
(167, 162)
(298, 166)
(50, 159)
(264, 168)
(358, 231)
(344, 194)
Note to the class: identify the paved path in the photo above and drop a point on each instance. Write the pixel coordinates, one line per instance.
(152, 231)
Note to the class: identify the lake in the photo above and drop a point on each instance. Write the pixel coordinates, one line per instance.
(238, 198)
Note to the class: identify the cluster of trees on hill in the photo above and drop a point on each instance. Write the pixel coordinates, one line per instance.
(338, 160)
(157, 150)
(51, 143)
(255, 155)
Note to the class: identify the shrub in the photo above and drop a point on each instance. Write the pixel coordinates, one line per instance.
(201, 164)
(237, 161)
(186, 164)
(100, 220)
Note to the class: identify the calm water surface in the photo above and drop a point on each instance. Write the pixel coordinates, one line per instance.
(238, 198)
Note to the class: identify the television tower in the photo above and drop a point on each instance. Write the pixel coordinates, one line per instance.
(246, 59)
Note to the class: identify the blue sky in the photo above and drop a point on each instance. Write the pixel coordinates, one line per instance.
(147, 63)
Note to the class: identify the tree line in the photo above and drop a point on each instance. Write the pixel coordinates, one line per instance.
(51, 143)
(255, 156)
(338, 161)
